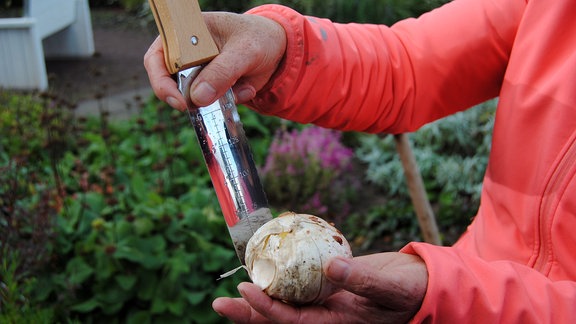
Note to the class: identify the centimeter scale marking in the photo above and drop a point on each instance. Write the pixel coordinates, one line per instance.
(217, 121)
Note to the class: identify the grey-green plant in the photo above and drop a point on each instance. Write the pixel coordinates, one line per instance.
(452, 155)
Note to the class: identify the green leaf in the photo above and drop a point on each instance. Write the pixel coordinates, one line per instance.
(147, 284)
(125, 282)
(111, 297)
(139, 317)
(149, 252)
(143, 225)
(112, 308)
(176, 307)
(175, 233)
(206, 315)
(168, 318)
(69, 219)
(154, 199)
(105, 266)
(86, 306)
(44, 287)
(214, 260)
(78, 271)
(196, 297)
(179, 263)
(159, 305)
(123, 229)
(138, 187)
(95, 201)
(154, 243)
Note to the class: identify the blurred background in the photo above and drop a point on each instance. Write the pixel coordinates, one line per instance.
(106, 209)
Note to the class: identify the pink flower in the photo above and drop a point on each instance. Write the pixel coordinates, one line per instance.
(306, 169)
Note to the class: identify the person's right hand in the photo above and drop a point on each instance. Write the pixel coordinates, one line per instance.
(376, 288)
(251, 47)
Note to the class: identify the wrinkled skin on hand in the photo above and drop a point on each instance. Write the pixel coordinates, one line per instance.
(251, 47)
(377, 288)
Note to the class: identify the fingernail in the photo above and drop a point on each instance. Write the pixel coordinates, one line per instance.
(203, 94)
(173, 102)
(245, 94)
(215, 307)
(240, 288)
(338, 269)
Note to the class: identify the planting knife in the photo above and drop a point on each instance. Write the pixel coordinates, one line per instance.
(188, 46)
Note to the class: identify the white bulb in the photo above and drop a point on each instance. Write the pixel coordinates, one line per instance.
(286, 255)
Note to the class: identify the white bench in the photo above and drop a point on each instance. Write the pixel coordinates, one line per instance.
(48, 29)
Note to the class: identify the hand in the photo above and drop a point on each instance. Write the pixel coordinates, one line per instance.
(251, 47)
(377, 288)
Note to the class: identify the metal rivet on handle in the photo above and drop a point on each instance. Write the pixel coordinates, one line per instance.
(194, 40)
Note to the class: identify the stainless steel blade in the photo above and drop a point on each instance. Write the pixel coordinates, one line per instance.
(230, 163)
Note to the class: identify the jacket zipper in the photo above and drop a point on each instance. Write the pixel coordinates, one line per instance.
(550, 200)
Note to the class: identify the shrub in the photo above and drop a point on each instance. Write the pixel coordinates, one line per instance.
(309, 171)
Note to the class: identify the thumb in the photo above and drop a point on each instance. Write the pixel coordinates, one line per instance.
(355, 277)
(210, 84)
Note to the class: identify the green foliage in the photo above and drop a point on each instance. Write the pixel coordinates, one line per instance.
(452, 155)
(365, 11)
(343, 11)
(128, 5)
(224, 5)
(159, 263)
(41, 131)
(10, 3)
(132, 5)
(129, 228)
(15, 289)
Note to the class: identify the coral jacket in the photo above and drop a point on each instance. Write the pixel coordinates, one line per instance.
(516, 263)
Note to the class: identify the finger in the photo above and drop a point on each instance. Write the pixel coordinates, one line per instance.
(395, 286)
(274, 310)
(280, 312)
(160, 79)
(237, 310)
(244, 92)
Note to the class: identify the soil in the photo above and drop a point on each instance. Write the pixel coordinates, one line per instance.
(121, 39)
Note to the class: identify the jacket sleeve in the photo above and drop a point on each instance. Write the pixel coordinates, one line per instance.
(466, 289)
(375, 78)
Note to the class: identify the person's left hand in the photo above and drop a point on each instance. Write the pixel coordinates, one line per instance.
(378, 288)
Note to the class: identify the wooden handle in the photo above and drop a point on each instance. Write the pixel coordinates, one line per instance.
(187, 41)
(422, 206)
